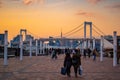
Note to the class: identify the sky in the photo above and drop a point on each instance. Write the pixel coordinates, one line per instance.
(44, 18)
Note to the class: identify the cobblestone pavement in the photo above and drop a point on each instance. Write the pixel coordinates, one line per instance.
(44, 68)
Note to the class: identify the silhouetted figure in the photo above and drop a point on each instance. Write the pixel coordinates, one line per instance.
(94, 54)
(76, 61)
(89, 52)
(118, 56)
(68, 63)
(54, 54)
(84, 53)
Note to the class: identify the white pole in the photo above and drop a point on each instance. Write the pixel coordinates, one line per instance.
(5, 48)
(115, 48)
(82, 46)
(90, 30)
(43, 48)
(40, 47)
(89, 44)
(84, 30)
(71, 44)
(85, 44)
(101, 49)
(30, 48)
(93, 43)
(21, 47)
(36, 47)
(25, 34)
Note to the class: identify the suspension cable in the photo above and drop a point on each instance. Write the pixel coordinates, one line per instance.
(96, 32)
(98, 29)
(74, 32)
(33, 34)
(73, 29)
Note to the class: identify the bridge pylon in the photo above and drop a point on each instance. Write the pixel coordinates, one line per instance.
(85, 24)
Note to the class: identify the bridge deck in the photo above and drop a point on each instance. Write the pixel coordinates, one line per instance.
(44, 68)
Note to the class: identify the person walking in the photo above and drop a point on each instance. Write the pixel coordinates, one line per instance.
(76, 62)
(94, 55)
(54, 54)
(68, 63)
(84, 53)
(89, 52)
(118, 56)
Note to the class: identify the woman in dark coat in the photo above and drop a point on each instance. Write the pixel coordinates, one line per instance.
(68, 63)
(76, 61)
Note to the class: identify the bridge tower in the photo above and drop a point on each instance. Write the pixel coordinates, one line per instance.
(85, 41)
(85, 24)
(25, 31)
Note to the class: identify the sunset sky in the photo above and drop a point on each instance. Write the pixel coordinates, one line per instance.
(44, 18)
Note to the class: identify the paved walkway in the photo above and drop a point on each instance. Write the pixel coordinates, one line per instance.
(44, 68)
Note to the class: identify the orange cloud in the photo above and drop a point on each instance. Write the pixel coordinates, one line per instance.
(41, 1)
(27, 2)
(114, 7)
(85, 14)
(94, 1)
(117, 5)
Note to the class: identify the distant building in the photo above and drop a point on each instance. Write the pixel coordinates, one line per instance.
(118, 42)
(16, 40)
(28, 37)
(109, 38)
(1, 39)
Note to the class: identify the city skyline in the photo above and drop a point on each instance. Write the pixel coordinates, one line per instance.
(47, 17)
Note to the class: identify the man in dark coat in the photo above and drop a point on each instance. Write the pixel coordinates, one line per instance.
(68, 63)
(89, 52)
(76, 61)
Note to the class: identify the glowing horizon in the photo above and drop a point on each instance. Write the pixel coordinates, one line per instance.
(46, 18)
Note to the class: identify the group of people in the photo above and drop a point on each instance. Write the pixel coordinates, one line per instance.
(74, 61)
(88, 52)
